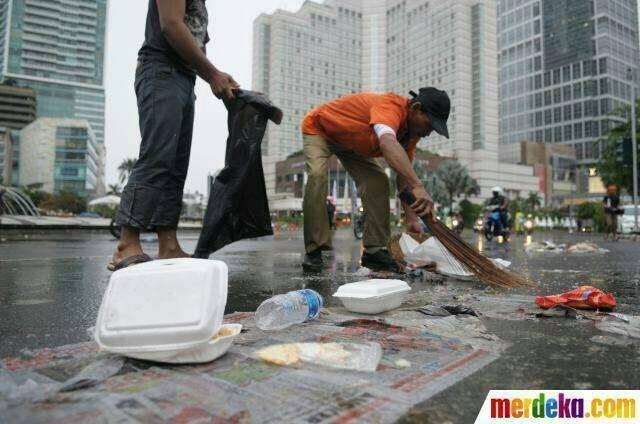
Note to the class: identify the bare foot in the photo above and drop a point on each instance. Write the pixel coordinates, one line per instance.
(128, 246)
(173, 254)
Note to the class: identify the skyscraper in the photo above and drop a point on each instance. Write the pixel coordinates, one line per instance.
(390, 45)
(301, 60)
(564, 72)
(57, 48)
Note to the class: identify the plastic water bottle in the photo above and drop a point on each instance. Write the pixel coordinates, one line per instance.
(285, 310)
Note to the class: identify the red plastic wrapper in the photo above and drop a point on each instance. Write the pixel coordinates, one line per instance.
(584, 297)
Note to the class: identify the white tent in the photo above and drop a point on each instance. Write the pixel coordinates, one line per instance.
(107, 200)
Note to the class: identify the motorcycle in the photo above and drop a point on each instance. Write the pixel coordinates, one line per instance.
(478, 227)
(528, 226)
(457, 225)
(493, 225)
(358, 224)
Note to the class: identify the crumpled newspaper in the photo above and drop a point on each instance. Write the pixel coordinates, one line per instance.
(347, 356)
(38, 388)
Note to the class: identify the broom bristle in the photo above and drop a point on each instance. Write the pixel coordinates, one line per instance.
(485, 269)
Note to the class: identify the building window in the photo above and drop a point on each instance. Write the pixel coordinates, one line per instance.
(567, 133)
(557, 134)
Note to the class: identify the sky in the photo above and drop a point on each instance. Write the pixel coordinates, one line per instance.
(231, 31)
(230, 49)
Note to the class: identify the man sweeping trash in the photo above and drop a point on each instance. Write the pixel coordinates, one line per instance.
(358, 128)
(171, 56)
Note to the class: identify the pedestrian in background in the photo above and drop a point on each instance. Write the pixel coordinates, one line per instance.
(611, 210)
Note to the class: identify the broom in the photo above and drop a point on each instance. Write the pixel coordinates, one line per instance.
(476, 263)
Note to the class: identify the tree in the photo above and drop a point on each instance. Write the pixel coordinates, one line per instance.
(611, 169)
(452, 181)
(114, 189)
(36, 194)
(125, 169)
(66, 201)
(533, 201)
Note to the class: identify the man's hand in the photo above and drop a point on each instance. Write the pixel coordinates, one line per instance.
(423, 204)
(222, 85)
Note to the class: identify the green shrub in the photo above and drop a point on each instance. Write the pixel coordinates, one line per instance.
(470, 212)
(105, 211)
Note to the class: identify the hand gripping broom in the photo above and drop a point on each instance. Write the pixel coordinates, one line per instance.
(476, 263)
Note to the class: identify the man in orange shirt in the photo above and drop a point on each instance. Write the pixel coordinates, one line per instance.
(359, 128)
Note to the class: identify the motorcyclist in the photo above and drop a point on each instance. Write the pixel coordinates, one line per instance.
(500, 203)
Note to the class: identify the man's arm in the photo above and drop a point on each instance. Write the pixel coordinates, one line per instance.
(397, 159)
(171, 14)
(413, 222)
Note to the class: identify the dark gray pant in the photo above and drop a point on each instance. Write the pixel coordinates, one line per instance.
(153, 195)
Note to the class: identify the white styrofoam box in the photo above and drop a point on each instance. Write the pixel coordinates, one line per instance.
(162, 305)
(203, 353)
(372, 296)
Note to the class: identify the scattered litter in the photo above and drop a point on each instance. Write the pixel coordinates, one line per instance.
(435, 311)
(623, 325)
(422, 254)
(460, 310)
(284, 310)
(141, 317)
(584, 297)
(362, 272)
(546, 246)
(94, 374)
(37, 388)
(586, 247)
(558, 311)
(501, 263)
(425, 276)
(346, 356)
(621, 317)
(372, 296)
(468, 329)
(549, 246)
(403, 363)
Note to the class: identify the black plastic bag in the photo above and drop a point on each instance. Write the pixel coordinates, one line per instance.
(238, 207)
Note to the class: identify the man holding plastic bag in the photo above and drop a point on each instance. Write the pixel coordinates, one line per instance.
(171, 57)
(359, 128)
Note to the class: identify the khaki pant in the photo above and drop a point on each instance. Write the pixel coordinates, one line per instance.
(373, 187)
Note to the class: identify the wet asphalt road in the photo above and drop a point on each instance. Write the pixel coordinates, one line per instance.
(51, 287)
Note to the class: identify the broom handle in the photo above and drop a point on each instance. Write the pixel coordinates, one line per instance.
(408, 198)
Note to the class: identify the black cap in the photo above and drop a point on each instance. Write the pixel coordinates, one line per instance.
(437, 105)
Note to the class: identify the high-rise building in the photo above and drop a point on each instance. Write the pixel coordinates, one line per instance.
(57, 48)
(17, 110)
(61, 154)
(302, 60)
(326, 50)
(564, 68)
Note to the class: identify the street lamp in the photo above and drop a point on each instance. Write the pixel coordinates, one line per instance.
(634, 147)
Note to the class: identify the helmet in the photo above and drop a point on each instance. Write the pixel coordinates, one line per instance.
(497, 189)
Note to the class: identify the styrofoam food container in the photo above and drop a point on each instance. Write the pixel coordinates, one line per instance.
(162, 306)
(373, 296)
(207, 352)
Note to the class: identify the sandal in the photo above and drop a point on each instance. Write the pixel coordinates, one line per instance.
(130, 261)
